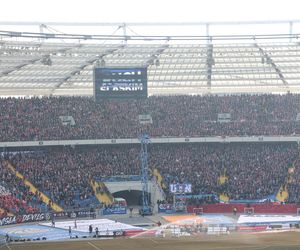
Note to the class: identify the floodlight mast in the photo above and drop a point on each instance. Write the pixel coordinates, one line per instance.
(146, 208)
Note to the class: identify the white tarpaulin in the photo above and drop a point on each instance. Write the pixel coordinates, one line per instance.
(268, 219)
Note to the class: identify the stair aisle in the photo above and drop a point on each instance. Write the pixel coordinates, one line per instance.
(101, 192)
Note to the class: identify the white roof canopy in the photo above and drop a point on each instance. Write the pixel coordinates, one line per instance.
(49, 66)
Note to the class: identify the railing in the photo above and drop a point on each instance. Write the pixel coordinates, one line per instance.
(119, 178)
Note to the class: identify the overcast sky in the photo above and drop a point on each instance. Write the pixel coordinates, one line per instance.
(148, 11)
(152, 11)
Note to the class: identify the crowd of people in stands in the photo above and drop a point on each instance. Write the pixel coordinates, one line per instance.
(39, 118)
(61, 175)
(15, 197)
(254, 171)
(66, 175)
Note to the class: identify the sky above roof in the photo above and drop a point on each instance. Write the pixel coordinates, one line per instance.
(141, 11)
(148, 11)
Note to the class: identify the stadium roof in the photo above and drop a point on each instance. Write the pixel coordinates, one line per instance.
(192, 65)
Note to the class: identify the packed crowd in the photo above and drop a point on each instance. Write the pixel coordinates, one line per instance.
(61, 175)
(15, 197)
(254, 171)
(38, 118)
(267, 166)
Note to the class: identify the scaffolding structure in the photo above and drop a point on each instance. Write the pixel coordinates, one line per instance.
(146, 209)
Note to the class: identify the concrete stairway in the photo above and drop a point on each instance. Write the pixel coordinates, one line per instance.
(102, 195)
(223, 178)
(283, 193)
(159, 178)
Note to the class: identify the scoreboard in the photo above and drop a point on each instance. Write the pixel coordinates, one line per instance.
(117, 83)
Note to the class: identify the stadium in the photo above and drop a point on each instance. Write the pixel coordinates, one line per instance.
(117, 140)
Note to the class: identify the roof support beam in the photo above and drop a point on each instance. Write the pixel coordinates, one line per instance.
(267, 59)
(154, 59)
(6, 72)
(91, 61)
(44, 58)
(209, 63)
(14, 23)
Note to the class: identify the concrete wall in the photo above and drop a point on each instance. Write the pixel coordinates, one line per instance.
(153, 188)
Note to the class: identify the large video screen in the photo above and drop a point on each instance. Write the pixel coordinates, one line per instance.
(181, 188)
(115, 83)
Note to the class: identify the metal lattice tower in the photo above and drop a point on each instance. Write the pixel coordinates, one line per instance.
(145, 140)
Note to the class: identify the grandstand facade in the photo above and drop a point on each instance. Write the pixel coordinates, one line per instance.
(239, 145)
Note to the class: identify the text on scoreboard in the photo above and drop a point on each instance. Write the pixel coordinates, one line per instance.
(115, 83)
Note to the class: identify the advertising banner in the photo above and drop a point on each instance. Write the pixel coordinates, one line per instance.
(114, 210)
(24, 218)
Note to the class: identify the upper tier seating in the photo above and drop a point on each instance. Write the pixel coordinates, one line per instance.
(38, 118)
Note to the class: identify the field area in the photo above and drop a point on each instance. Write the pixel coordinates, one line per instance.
(269, 241)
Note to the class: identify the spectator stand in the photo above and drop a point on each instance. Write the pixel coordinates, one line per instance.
(255, 170)
(15, 197)
(39, 118)
(33, 189)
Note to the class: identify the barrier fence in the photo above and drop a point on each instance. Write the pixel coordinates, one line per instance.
(2, 240)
